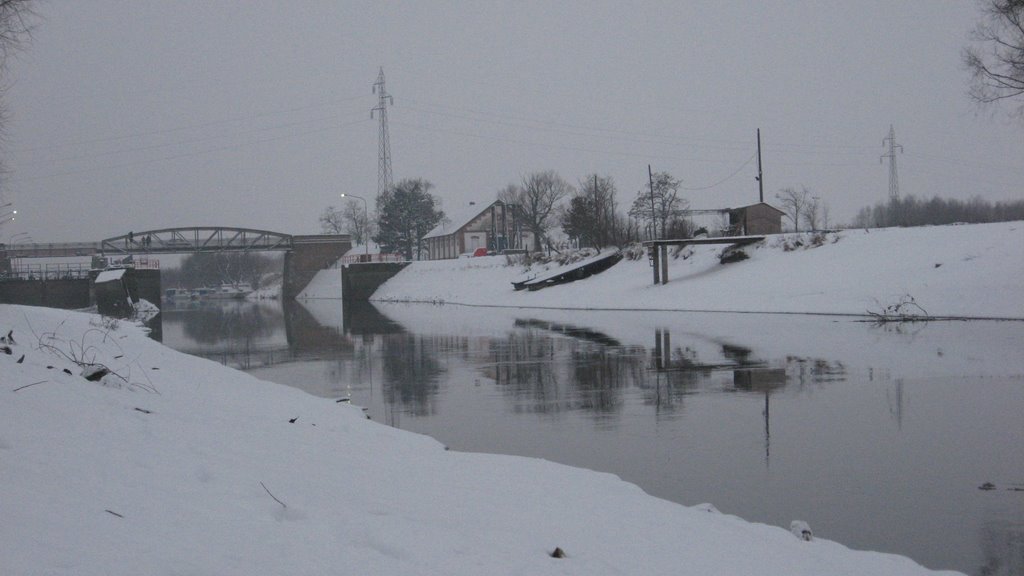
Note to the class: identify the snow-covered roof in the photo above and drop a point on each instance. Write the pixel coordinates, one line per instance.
(457, 217)
(109, 275)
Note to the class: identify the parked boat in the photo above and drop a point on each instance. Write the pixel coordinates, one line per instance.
(225, 292)
(177, 294)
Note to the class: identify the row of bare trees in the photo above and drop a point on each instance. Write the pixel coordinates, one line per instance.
(588, 213)
(911, 211)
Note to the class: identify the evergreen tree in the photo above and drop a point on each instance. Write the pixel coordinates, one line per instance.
(405, 214)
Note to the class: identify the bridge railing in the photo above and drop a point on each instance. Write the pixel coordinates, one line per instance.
(48, 272)
(366, 258)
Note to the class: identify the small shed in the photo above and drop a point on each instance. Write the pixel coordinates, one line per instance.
(113, 297)
(756, 219)
(467, 229)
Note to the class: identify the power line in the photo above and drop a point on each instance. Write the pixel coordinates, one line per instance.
(186, 154)
(723, 180)
(183, 128)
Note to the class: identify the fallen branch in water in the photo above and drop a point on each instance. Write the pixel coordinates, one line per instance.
(905, 310)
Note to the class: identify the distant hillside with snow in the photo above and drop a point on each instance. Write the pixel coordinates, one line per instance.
(970, 271)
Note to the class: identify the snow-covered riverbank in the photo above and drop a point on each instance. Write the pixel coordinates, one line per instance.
(178, 465)
(971, 271)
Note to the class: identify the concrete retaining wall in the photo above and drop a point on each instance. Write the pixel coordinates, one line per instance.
(66, 294)
(360, 281)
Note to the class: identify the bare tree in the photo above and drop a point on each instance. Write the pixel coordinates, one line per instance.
(661, 208)
(812, 213)
(15, 26)
(357, 222)
(591, 216)
(997, 63)
(536, 201)
(331, 221)
(15, 30)
(795, 203)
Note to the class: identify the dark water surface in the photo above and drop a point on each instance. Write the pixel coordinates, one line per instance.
(878, 436)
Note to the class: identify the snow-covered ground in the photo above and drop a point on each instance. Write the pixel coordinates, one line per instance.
(177, 465)
(959, 271)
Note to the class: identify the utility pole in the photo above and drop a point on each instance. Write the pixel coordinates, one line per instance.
(654, 215)
(894, 182)
(760, 175)
(384, 142)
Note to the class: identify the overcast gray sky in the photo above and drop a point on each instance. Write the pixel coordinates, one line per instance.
(136, 115)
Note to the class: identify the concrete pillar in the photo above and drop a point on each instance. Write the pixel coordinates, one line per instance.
(664, 264)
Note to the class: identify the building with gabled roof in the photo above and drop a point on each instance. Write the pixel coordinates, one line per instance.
(756, 219)
(466, 229)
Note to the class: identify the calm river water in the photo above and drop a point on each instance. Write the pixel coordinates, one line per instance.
(880, 437)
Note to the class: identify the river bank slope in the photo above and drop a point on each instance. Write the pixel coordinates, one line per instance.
(966, 271)
(172, 464)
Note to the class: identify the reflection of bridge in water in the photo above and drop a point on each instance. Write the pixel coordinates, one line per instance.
(228, 336)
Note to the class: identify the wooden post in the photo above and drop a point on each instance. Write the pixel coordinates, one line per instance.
(664, 264)
(655, 264)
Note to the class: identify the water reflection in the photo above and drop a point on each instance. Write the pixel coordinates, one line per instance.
(771, 418)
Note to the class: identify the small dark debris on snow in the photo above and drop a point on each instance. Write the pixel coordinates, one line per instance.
(49, 367)
(144, 411)
(987, 486)
(340, 400)
(557, 553)
(114, 513)
(6, 350)
(9, 339)
(937, 264)
(22, 359)
(119, 356)
(66, 371)
(292, 421)
(155, 368)
(95, 372)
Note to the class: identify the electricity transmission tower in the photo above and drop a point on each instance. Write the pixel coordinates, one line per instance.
(894, 182)
(384, 154)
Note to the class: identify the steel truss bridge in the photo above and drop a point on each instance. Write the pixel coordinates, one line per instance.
(163, 241)
(197, 239)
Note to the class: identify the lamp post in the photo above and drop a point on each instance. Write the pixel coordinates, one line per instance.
(366, 213)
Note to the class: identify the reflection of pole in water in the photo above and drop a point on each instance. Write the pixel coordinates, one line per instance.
(767, 431)
(897, 410)
(657, 349)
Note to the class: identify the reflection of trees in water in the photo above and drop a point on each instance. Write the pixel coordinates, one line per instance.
(214, 324)
(1002, 545)
(412, 370)
(522, 365)
(544, 374)
(599, 375)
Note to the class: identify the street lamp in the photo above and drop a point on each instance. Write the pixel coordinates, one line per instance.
(366, 212)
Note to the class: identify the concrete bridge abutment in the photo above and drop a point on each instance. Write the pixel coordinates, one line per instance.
(309, 255)
(360, 281)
